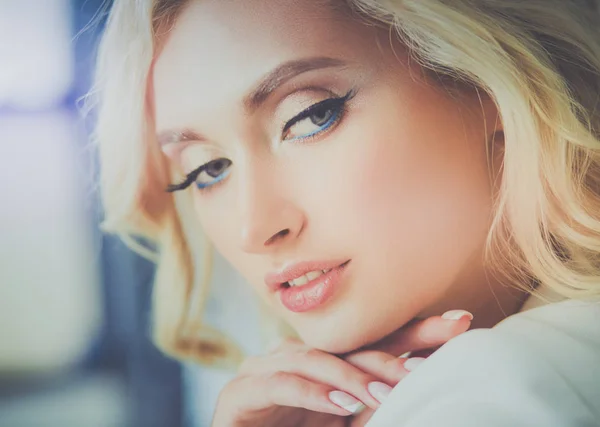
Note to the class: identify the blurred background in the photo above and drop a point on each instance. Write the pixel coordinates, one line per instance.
(74, 304)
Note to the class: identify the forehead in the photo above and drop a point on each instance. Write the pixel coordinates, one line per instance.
(275, 24)
(220, 48)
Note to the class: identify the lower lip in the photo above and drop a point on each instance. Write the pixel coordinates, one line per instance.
(315, 293)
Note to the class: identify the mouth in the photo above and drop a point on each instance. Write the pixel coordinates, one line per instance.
(305, 286)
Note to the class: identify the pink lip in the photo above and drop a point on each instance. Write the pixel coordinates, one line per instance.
(276, 279)
(314, 293)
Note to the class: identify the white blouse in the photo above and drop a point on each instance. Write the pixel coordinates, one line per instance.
(537, 368)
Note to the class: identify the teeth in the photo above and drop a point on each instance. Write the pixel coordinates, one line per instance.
(303, 280)
(312, 275)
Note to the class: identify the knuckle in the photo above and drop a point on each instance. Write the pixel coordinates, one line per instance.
(304, 389)
(395, 368)
(311, 352)
(354, 377)
(298, 357)
(362, 358)
(277, 378)
(363, 379)
(393, 361)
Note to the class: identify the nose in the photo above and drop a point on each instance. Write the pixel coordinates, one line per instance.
(269, 218)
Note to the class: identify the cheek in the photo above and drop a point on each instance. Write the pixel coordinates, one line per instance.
(216, 216)
(216, 223)
(419, 195)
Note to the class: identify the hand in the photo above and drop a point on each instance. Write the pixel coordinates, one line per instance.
(421, 338)
(295, 385)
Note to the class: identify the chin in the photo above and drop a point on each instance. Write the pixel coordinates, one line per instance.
(331, 347)
(334, 343)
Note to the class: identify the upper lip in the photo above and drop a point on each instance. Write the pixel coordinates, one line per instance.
(274, 280)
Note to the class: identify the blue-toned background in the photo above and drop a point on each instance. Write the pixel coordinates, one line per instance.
(74, 304)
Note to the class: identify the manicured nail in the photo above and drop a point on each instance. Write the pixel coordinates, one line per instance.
(379, 391)
(412, 363)
(346, 401)
(457, 315)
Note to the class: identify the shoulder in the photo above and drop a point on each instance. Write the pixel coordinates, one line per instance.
(536, 368)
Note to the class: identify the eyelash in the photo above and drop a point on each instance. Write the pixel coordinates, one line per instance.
(338, 104)
(193, 176)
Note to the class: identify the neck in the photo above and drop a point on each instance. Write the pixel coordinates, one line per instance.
(481, 293)
(502, 303)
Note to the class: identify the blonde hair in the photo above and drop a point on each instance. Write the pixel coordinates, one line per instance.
(538, 60)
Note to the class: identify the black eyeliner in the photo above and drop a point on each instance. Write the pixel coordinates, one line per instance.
(189, 180)
(331, 103)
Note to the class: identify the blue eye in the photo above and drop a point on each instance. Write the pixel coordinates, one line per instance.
(316, 118)
(205, 176)
(212, 173)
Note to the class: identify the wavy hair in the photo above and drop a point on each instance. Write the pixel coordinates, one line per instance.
(538, 60)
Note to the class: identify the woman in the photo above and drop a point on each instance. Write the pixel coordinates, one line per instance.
(366, 165)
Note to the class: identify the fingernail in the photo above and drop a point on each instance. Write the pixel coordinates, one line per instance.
(379, 391)
(405, 355)
(412, 363)
(346, 401)
(456, 315)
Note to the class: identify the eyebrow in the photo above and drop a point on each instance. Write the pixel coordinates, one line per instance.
(261, 91)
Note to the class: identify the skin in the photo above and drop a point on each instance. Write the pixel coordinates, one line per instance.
(400, 185)
(290, 386)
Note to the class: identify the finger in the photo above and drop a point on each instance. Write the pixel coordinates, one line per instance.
(324, 368)
(423, 334)
(424, 353)
(286, 389)
(250, 364)
(285, 344)
(387, 367)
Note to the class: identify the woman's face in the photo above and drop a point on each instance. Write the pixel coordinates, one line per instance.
(324, 151)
